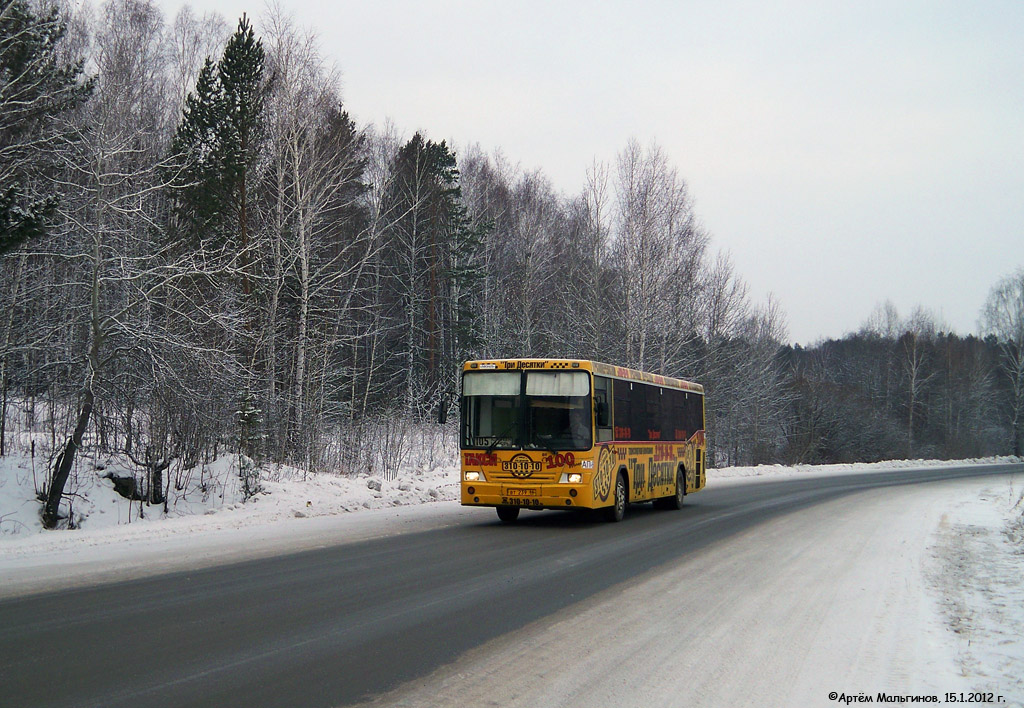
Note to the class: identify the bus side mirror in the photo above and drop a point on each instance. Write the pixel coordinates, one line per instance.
(442, 412)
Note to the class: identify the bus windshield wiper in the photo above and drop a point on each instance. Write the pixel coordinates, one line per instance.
(543, 446)
(506, 431)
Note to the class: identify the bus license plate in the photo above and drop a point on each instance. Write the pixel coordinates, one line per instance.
(521, 492)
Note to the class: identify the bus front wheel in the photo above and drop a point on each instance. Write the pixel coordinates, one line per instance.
(508, 514)
(617, 510)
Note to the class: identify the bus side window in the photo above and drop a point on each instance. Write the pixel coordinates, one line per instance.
(602, 408)
(674, 421)
(653, 413)
(638, 402)
(695, 411)
(622, 415)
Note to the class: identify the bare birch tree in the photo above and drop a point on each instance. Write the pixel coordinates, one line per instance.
(657, 240)
(321, 241)
(1003, 317)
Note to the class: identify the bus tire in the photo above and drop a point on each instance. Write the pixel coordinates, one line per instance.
(508, 514)
(617, 511)
(673, 501)
(676, 500)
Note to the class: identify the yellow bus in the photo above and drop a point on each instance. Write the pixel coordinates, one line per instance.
(576, 434)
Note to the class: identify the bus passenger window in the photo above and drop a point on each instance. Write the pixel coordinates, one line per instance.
(602, 408)
(622, 413)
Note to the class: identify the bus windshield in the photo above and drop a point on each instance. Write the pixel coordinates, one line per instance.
(557, 410)
(491, 411)
(556, 414)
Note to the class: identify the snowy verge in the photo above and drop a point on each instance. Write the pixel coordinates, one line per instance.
(209, 497)
(975, 573)
(767, 472)
(207, 520)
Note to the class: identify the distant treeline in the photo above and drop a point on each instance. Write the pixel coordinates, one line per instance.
(201, 251)
(870, 397)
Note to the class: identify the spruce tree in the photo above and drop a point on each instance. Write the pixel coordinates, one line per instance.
(197, 148)
(36, 89)
(215, 151)
(432, 268)
(218, 142)
(244, 96)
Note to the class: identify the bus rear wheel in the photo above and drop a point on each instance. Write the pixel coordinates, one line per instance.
(508, 514)
(676, 500)
(617, 511)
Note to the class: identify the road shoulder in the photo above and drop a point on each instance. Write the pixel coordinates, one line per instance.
(68, 559)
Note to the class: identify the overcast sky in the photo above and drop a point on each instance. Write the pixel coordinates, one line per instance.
(843, 153)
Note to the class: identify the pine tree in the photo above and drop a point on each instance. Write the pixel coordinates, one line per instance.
(215, 151)
(36, 88)
(250, 445)
(431, 269)
(244, 96)
(217, 144)
(197, 146)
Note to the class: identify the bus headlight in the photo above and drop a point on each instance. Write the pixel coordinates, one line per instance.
(571, 478)
(474, 477)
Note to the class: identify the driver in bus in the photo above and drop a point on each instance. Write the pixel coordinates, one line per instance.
(579, 427)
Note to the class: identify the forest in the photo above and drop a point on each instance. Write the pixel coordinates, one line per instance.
(202, 253)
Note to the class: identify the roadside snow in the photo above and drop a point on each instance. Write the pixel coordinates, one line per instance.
(976, 570)
(210, 497)
(209, 512)
(206, 523)
(766, 472)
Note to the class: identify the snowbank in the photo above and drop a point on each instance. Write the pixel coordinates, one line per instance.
(978, 560)
(773, 471)
(209, 497)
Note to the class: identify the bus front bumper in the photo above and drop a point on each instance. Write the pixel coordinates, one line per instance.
(541, 496)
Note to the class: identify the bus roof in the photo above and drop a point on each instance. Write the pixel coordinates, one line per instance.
(615, 372)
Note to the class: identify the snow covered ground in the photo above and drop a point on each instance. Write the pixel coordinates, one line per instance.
(206, 523)
(977, 563)
(951, 586)
(211, 496)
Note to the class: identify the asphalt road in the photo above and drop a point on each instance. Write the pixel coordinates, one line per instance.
(333, 626)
